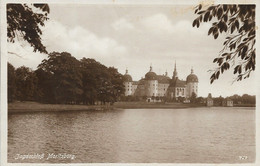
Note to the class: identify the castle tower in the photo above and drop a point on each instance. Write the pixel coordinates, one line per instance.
(192, 84)
(151, 83)
(128, 83)
(175, 74)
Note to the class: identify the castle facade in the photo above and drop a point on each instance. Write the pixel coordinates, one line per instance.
(153, 85)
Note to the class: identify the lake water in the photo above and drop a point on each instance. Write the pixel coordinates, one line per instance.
(194, 135)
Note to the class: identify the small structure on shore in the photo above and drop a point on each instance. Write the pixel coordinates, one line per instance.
(227, 103)
(209, 101)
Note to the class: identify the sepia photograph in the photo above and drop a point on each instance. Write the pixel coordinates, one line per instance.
(129, 82)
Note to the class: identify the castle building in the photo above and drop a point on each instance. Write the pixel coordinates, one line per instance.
(154, 85)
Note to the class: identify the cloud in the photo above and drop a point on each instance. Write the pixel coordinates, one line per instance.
(158, 23)
(79, 41)
(122, 24)
(185, 26)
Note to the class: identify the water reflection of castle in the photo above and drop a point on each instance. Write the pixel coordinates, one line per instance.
(161, 85)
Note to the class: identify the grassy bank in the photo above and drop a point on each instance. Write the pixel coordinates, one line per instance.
(244, 105)
(38, 107)
(136, 105)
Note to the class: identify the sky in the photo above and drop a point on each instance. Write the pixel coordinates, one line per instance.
(135, 37)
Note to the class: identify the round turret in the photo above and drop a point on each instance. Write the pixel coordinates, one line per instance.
(150, 75)
(192, 77)
(127, 77)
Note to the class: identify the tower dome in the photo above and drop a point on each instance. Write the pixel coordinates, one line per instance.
(127, 77)
(192, 77)
(150, 75)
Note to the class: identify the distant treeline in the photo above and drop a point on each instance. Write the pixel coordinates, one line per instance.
(238, 100)
(245, 99)
(62, 79)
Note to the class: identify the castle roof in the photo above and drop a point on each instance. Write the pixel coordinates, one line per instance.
(127, 77)
(163, 79)
(140, 82)
(178, 83)
(192, 77)
(150, 75)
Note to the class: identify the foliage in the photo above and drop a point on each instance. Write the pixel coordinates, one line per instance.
(63, 79)
(26, 84)
(193, 97)
(218, 100)
(45, 91)
(65, 76)
(180, 99)
(24, 22)
(244, 99)
(116, 83)
(100, 83)
(238, 22)
(11, 83)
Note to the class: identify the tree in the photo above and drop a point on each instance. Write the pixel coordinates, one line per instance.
(26, 84)
(66, 76)
(248, 99)
(238, 21)
(181, 99)
(90, 70)
(193, 97)
(117, 84)
(199, 100)
(218, 100)
(100, 83)
(24, 21)
(63, 79)
(45, 89)
(11, 83)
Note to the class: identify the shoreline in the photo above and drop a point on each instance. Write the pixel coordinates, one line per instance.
(19, 107)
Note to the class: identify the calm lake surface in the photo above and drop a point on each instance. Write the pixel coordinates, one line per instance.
(200, 135)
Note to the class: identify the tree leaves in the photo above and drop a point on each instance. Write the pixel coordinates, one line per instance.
(86, 80)
(43, 7)
(196, 22)
(232, 19)
(211, 30)
(219, 13)
(237, 24)
(206, 17)
(22, 18)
